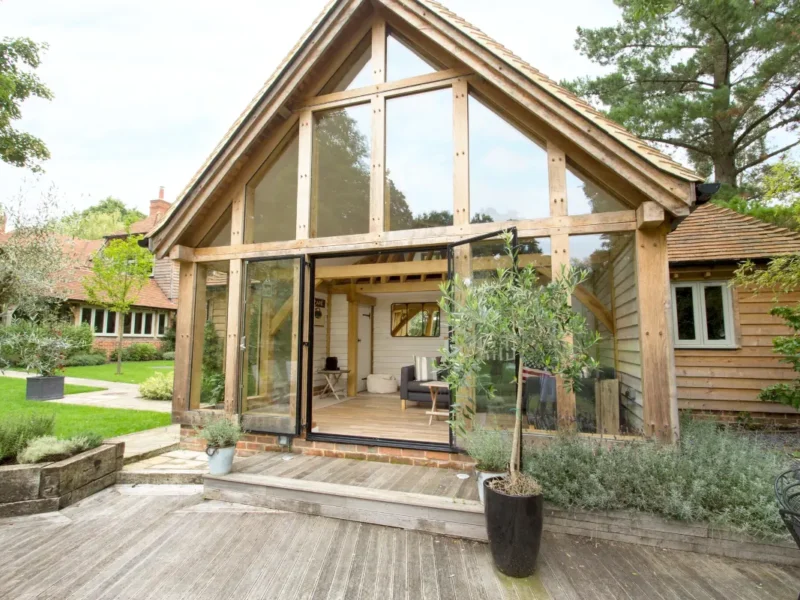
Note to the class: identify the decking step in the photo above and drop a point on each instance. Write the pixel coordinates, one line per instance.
(421, 512)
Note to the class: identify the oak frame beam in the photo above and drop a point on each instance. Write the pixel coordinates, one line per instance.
(650, 215)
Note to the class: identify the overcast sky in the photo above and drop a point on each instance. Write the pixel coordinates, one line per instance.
(144, 90)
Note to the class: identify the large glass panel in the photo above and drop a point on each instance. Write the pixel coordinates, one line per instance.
(341, 172)
(419, 161)
(402, 62)
(271, 199)
(585, 197)
(220, 233)
(356, 72)
(211, 322)
(507, 170)
(684, 307)
(99, 320)
(609, 399)
(111, 327)
(269, 399)
(715, 312)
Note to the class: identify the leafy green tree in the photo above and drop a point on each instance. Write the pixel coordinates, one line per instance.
(781, 276)
(775, 196)
(514, 312)
(711, 77)
(33, 258)
(19, 58)
(104, 218)
(119, 272)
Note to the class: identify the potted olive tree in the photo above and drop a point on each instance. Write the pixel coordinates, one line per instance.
(39, 348)
(221, 436)
(513, 311)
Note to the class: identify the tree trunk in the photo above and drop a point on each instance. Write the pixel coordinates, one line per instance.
(119, 344)
(516, 440)
(722, 125)
(725, 165)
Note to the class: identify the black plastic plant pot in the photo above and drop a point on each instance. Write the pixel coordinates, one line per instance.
(45, 388)
(514, 526)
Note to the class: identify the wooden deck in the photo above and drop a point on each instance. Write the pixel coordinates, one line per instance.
(379, 416)
(147, 542)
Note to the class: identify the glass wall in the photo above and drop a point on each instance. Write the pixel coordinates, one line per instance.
(507, 170)
(211, 321)
(340, 175)
(495, 395)
(271, 199)
(356, 72)
(402, 62)
(419, 161)
(609, 400)
(220, 233)
(270, 361)
(585, 197)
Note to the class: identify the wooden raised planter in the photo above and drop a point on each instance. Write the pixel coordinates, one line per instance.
(45, 487)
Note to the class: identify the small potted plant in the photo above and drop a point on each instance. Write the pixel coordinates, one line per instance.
(221, 436)
(40, 349)
(512, 312)
(490, 448)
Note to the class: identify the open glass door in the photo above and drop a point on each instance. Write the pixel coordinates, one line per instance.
(271, 349)
(476, 260)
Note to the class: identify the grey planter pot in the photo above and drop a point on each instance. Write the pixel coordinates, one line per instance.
(45, 388)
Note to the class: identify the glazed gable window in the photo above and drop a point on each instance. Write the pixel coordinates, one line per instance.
(702, 315)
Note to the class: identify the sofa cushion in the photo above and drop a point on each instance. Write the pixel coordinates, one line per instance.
(425, 368)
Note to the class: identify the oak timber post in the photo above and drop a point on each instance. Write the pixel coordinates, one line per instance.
(655, 335)
(183, 337)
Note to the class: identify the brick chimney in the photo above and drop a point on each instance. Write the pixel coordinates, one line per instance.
(160, 206)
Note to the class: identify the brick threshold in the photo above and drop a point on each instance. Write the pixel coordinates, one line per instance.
(252, 444)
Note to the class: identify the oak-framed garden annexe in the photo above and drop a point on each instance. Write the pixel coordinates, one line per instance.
(653, 190)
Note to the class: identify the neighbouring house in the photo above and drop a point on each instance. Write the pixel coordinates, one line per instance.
(154, 310)
(386, 154)
(722, 334)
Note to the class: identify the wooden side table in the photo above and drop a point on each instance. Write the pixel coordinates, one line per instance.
(434, 387)
(331, 379)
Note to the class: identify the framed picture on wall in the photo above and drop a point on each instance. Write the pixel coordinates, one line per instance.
(320, 312)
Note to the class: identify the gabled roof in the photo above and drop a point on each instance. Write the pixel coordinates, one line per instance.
(150, 296)
(427, 9)
(713, 233)
(645, 150)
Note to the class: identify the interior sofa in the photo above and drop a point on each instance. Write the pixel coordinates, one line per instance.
(411, 389)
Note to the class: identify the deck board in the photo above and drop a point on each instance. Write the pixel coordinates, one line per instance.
(365, 474)
(118, 544)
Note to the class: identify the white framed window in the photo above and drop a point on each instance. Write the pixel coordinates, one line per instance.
(103, 322)
(144, 324)
(702, 314)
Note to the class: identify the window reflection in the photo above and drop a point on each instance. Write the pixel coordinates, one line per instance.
(419, 161)
(341, 172)
(415, 319)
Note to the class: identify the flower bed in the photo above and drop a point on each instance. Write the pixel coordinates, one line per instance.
(45, 487)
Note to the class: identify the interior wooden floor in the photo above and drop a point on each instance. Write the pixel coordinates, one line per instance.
(378, 416)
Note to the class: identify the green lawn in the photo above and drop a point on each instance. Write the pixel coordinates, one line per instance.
(132, 372)
(73, 419)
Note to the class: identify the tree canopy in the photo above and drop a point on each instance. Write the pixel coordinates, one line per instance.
(104, 218)
(19, 58)
(119, 272)
(711, 78)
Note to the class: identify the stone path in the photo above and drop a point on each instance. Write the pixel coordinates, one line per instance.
(165, 542)
(115, 395)
(173, 467)
(150, 442)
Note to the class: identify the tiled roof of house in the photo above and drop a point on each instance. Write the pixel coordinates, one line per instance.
(650, 154)
(81, 253)
(714, 233)
(150, 296)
